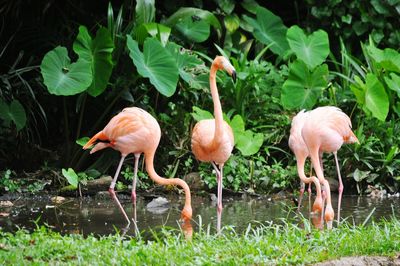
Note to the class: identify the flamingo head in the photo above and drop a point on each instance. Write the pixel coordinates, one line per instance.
(317, 206)
(221, 62)
(329, 215)
(186, 213)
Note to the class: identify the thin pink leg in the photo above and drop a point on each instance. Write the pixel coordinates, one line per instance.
(219, 192)
(302, 188)
(309, 192)
(341, 187)
(112, 191)
(135, 170)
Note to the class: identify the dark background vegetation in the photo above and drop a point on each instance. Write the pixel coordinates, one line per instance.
(32, 28)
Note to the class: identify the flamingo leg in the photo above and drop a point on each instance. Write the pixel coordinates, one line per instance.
(135, 170)
(112, 191)
(317, 163)
(341, 187)
(302, 188)
(219, 195)
(309, 191)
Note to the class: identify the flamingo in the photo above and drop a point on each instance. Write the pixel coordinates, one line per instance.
(135, 131)
(325, 130)
(300, 150)
(212, 139)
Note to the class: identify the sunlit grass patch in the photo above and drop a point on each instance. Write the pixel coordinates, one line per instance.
(263, 244)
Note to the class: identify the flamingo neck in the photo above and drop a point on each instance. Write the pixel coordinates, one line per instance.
(217, 104)
(149, 158)
(304, 178)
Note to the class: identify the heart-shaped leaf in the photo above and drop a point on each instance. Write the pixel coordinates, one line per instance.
(63, 78)
(71, 177)
(376, 98)
(197, 31)
(98, 52)
(312, 49)
(14, 112)
(269, 29)
(249, 142)
(155, 63)
(303, 87)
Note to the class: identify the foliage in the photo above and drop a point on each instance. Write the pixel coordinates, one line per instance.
(355, 21)
(252, 174)
(376, 160)
(272, 244)
(269, 29)
(9, 183)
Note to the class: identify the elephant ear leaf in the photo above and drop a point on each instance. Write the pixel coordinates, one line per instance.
(98, 52)
(14, 112)
(312, 49)
(62, 77)
(155, 63)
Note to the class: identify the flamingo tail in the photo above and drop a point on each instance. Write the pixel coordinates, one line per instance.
(98, 136)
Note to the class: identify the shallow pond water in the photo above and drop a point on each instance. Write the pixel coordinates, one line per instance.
(102, 217)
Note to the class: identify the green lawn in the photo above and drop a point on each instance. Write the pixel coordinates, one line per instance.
(266, 245)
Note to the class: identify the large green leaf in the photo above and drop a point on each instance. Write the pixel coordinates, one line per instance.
(186, 62)
(196, 14)
(14, 112)
(237, 125)
(376, 98)
(312, 49)
(159, 31)
(248, 142)
(388, 58)
(303, 87)
(98, 52)
(197, 31)
(269, 29)
(63, 78)
(393, 83)
(155, 63)
(145, 11)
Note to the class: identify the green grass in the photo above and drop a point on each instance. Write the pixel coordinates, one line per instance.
(265, 245)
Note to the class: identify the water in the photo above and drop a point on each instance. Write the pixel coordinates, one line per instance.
(102, 217)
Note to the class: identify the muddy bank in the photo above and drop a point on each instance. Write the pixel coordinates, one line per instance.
(362, 261)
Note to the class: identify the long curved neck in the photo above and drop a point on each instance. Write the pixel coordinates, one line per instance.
(149, 157)
(304, 178)
(217, 104)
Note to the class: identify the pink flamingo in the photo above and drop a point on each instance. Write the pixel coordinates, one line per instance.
(135, 131)
(300, 150)
(212, 139)
(325, 130)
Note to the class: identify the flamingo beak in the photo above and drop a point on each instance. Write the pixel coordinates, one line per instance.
(234, 75)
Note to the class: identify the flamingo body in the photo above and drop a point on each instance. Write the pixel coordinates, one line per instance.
(135, 131)
(300, 150)
(207, 150)
(326, 129)
(212, 139)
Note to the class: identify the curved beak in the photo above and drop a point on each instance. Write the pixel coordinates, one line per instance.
(234, 75)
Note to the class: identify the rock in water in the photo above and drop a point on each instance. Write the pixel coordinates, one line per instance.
(158, 205)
